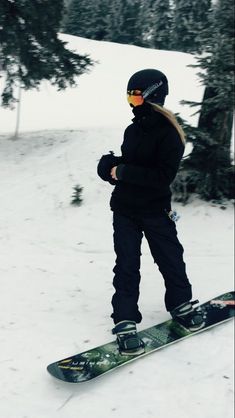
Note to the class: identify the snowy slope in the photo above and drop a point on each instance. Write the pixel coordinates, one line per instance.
(57, 259)
(100, 98)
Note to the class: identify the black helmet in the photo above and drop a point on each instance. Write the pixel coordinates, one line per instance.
(152, 83)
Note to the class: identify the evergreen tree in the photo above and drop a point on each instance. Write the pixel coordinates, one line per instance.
(208, 169)
(30, 50)
(65, 13)
(124, 22)
(145, 23)
(190, 20)
(115, 21)
(77, 195)
(162, 24)
(79, 18)
(87, 18)
(101, 19)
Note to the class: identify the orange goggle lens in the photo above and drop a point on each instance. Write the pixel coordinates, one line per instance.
(135, 98)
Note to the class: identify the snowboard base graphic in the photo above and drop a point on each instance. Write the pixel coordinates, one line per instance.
(97, 361)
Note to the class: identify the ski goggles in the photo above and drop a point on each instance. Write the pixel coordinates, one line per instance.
(135, 98)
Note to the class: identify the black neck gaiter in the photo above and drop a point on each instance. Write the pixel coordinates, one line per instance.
(142, 111)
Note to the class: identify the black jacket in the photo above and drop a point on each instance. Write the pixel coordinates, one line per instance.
(151, 154)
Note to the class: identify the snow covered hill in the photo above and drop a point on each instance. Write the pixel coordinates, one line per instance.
(57, 259)
(100, 98)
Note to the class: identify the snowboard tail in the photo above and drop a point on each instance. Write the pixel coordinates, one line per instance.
(95, 362)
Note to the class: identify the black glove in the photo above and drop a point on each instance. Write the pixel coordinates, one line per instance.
(106, 163)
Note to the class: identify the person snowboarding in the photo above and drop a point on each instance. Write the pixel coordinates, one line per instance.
(151, 152)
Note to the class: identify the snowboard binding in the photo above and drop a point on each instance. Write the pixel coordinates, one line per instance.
(188, 317)
(127, 338)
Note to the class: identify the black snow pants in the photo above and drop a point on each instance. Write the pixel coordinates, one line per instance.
(167, 252)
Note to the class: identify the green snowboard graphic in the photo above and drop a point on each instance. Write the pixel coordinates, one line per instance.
(97, 361)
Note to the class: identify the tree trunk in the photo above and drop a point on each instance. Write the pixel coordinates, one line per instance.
(18, 114)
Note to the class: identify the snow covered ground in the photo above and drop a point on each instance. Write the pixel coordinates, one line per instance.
(57, 259)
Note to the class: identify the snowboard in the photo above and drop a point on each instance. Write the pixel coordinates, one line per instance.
(100, 360)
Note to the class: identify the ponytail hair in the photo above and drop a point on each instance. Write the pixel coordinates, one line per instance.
(172, 119)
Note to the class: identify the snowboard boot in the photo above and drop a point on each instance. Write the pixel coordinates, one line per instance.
(127, 338)
(190, 318)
